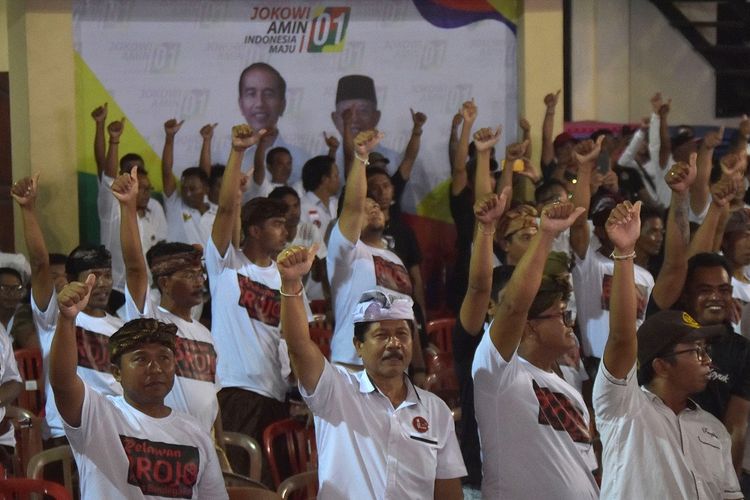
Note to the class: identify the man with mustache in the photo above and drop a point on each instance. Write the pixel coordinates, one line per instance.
(657, 442)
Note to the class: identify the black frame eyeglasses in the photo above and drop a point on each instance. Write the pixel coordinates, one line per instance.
(567, 317)
(702, 352)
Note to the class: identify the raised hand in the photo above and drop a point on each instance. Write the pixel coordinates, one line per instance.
(331, 141)
(116, 128)
(295, 262)
(243, 137)
(713, 138)
(524, 124)
(418, 119)
(624, 226)
(457, 119)
(347, 116)
(25, 191)
(529, 171)
(75, 297)
(516, 151)
(489, 208)
(207, 131)
(610, 182)
(99, 114)
(559, 216)
(645, 122)
(682, 175)
(656, 102)
(550, 100)
(665, 107)
(469, 112)
(724, 191)
(125, 187)
(733, 165)
(267, 137)
(486, 138)
(366, 141)
(172, 126)
(586, 152)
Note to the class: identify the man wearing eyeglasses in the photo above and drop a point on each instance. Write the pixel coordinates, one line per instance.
(657, 442)
(178, 274)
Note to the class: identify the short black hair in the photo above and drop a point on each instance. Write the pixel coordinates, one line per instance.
(314, 170)
(279, 192)
(706, 259)
(374, 170)
(544, 188)
(602, 131)
(276, 151)
(85, 257)
(195, 172)
(128, 159)
(164, 248)
(265, 67)
(258, 210)
(217, 172)
(360, 329)
(650, 213)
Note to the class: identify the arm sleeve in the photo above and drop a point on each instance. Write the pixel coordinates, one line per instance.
(627, 158)
(45, 321)
(613, 397)
(320, 401)
(489, 370)
(340, 259)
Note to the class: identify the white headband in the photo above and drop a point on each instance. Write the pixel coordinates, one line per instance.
(375, 305)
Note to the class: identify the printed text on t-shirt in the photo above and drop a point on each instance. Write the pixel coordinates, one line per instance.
(391, 275)
(557, 410)
(195, 359)
(93, 350)
(161, 469)
(261, 302)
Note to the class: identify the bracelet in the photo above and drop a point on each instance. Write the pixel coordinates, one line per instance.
(629, 256)
(483, 231)
(365, 161)
(298, 294)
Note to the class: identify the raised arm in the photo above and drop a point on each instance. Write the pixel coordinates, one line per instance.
(662, 108)
(671, 278)
(307, 360)
(513, 152)
(585, 154)
(512, 311)
(332, 143)
(459, 177)
(347, 139)
(68, 388)
(259, 158)
(484, 140)
(99, 115)
(125, 189)
(412, 147)
(453, 139)
(699, 191)
(623, 228)
(115, 130)
(548, 125)
(207, 135)
(171, 127)
(487, 211)
(243, 137)
(352, 215)
(42, 287)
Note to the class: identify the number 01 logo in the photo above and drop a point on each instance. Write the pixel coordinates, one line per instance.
(328, 29)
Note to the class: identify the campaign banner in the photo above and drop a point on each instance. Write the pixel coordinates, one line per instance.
(152, 60)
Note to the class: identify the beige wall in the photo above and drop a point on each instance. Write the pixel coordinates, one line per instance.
(42, 91)
(3, 35)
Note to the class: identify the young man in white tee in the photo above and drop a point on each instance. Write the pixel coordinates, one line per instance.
(130, 446)
(656, 442)
(533, 426)
(378, 435)
(178, 274)
(189, 214)
(93, 325)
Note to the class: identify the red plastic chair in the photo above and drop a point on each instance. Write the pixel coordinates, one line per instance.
(319, 306)
(440, 332)
(30, 367)
(300, 446)
(10, 489)
(322, 335)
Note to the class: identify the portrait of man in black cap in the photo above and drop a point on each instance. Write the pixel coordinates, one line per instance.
(356, 92)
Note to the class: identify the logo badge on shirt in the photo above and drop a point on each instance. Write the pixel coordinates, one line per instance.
(420, 424)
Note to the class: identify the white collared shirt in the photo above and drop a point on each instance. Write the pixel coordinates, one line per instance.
(369, 449)
(651, 452)
(187, 224)
(312, 209)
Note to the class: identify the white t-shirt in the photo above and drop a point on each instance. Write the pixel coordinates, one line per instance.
(246, 317)
(188, 225)
(261, 190)
(369, 449)
(123, 453)
(354, 268)
(592, 281)
(8, 372)
(152, 227)
(534, 430)
(92, 338)
(649, 452)
(194, 390)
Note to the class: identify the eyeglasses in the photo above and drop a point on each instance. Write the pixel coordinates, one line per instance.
(703, 353)
(567, 317)
(14, 289)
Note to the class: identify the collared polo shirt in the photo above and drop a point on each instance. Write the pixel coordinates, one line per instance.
(651, 452)
(312, 209)
(188, 225)
(369, 449)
